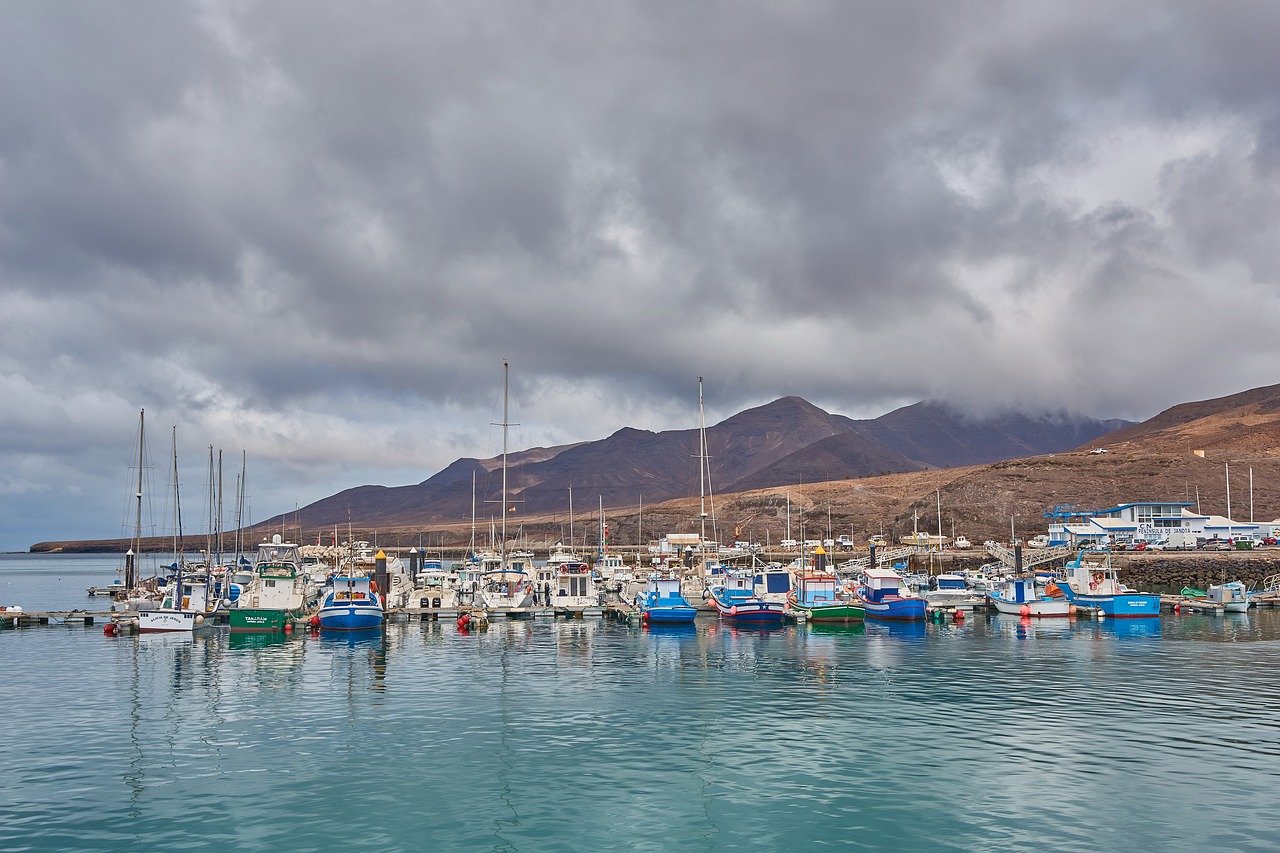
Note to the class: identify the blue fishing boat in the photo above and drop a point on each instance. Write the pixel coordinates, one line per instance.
(884, 595)
(735, 600)
(351, 604)
(662, 602)
(1091, 581)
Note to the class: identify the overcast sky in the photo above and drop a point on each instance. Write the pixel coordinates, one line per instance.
(313, 231)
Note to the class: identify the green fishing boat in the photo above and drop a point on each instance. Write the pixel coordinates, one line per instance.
(277, 594)
(816, 598)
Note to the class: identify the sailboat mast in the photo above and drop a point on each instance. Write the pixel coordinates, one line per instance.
(240, 501)
(473, 512)
(131, 572)
(503, 548)
(177, 528)
(702, 458)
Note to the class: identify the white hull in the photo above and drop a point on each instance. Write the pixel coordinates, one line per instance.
(1039, 607)
(160, 621)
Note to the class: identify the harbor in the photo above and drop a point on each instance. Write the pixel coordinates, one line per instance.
(600, 712)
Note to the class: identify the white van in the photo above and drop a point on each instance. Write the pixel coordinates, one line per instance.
(787, 544)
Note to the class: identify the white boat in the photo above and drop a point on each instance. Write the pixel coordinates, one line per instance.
(1020, 598)
(950, 590)
(1233, 596)
(186, 600)
(575, 592)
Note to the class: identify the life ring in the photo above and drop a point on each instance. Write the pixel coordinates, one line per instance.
(1097, 579)
(1093, 585)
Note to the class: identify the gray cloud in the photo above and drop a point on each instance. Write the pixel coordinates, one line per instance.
(313, 230)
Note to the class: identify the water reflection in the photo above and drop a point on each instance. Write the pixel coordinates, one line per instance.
(256, 641)
(1129, 629)
(352, 639)
(1025, 628)
(836, 628)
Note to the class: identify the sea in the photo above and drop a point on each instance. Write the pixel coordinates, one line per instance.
(991, 734)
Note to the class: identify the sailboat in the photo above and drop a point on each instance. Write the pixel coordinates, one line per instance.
(186, 600)
(733, 594)
(506, 589)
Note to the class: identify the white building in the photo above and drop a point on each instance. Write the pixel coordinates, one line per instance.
(1152, 521)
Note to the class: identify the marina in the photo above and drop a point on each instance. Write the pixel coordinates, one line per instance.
(545, 708)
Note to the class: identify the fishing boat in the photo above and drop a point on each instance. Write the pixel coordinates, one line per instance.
(735, 600)
(276, 593)
(351, 604)
(661, 602)
(817, 598)
(1021, 598)
(1091, 581)
(1232, 595)
(884, 595)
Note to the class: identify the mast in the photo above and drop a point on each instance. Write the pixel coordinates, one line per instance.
(208, 537)
(240, 502)
(218, 540)
(604, 540)
(130, 566)
(503, 548)
(473, 512)
(572, 546)
(702, 456)
(1227, 466)
(177, 528)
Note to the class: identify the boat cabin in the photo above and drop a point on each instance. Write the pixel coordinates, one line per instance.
(816, 589)
(884, 583)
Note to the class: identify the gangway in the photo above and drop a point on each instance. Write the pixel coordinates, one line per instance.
(1031, 557)
(883, 555)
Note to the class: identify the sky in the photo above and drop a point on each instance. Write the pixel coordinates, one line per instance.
(312, 232)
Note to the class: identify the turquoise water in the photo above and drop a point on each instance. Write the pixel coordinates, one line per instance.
(591, 735)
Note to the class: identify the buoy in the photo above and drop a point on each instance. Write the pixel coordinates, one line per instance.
(288, 626)
(464, 620)
(733, 611)
(1071, 610)
(109, 629)
(1024, 610)
(199, 620)
(315, 621)
(1177, 608)
(958, 615)
(644, 617)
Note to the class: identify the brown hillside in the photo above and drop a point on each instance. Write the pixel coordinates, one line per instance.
(1229, 429)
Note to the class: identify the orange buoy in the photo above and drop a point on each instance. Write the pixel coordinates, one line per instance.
(1024, 610)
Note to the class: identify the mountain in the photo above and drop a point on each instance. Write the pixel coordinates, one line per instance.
(1244, 424)
(784, 442)
(940, 436)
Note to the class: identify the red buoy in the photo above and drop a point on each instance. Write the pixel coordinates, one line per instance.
(1025, 610)
(315, 621)
(464, 620)
(288, 626)
(958, 615)
(109, 629)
